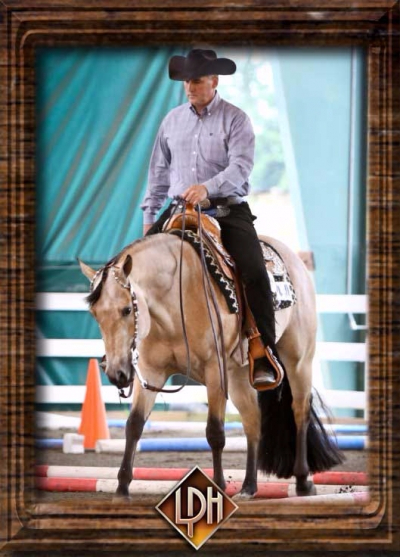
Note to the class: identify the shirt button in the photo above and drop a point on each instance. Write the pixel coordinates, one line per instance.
(193, 169)
(194, 152)
(196, 135)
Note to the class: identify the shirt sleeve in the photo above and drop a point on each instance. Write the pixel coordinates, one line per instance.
(158, 178)
(240, 156)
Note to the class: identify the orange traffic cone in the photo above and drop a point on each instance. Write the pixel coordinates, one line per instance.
(93, 416)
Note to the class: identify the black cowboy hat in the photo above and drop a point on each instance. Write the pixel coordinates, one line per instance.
(198, 63)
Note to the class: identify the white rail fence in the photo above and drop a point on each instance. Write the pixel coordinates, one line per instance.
(93, 348)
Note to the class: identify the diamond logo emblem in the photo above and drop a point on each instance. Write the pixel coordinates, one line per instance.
(196, 507)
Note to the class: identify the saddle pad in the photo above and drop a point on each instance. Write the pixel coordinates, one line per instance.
(281, 286)
(226, 286)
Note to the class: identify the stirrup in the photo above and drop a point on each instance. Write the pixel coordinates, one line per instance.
(258, 350)
(263, 376)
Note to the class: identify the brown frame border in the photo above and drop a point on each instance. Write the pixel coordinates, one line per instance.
(374, 24)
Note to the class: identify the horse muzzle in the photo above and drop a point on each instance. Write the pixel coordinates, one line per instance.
(120, 376)
(120, 379)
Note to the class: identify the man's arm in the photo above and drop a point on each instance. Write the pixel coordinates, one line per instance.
(158, 180)
(241, 159)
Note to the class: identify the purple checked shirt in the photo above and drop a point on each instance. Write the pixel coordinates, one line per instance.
(215, 149)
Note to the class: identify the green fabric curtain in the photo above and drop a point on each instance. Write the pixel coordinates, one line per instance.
(97, 114)
(98, 111)
(316, 85)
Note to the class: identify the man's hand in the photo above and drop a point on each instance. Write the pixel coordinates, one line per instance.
(196, 193)
(146, 227)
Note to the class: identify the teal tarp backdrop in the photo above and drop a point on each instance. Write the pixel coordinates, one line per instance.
(98, 111)
(325, 95)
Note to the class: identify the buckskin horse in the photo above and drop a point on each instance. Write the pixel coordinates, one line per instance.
(135, 300)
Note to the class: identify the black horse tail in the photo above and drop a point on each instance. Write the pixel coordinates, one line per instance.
(277, 446)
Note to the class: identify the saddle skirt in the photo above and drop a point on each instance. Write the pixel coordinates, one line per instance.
(221, 267)
(282, 288)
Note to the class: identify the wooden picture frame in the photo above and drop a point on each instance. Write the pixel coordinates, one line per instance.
(26, 525)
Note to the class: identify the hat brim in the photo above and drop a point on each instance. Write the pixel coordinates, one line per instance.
(178, 70)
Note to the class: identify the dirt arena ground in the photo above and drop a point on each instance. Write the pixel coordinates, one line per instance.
(355, 461)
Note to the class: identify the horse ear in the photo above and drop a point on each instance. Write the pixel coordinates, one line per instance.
(127, 266)
(86, 270)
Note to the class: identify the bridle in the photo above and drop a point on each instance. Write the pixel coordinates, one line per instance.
(134, 350)
(135, 353)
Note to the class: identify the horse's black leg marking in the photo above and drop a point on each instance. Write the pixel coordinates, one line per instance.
(133, 432)
(249, 486)
(215, 434)
(301, 468)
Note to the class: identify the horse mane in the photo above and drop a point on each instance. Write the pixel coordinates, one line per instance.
(96, 293)
(94, 296)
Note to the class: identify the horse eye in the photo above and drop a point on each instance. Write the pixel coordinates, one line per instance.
(126, 311)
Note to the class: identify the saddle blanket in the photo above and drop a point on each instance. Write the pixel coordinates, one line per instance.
(281, 286)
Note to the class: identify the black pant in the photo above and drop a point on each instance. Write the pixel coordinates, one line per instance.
(240, 239)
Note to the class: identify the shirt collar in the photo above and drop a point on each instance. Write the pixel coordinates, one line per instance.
(210, 108)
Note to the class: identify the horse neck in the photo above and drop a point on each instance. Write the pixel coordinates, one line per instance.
(154, 266)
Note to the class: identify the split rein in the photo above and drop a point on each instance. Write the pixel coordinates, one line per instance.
(209, 292)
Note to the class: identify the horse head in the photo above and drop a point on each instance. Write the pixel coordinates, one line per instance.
(115, 301)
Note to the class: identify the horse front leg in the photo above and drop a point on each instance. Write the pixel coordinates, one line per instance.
(244, 397)
(143, 402)
(215, 432)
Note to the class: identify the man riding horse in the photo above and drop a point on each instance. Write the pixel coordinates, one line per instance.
(204, 149)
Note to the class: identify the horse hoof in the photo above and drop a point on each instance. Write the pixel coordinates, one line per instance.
(305, 489)
(247, 492)
(242, 496)
(118, 499)
(121, 496)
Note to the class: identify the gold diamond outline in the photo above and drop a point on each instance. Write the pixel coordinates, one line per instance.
(218, 489)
